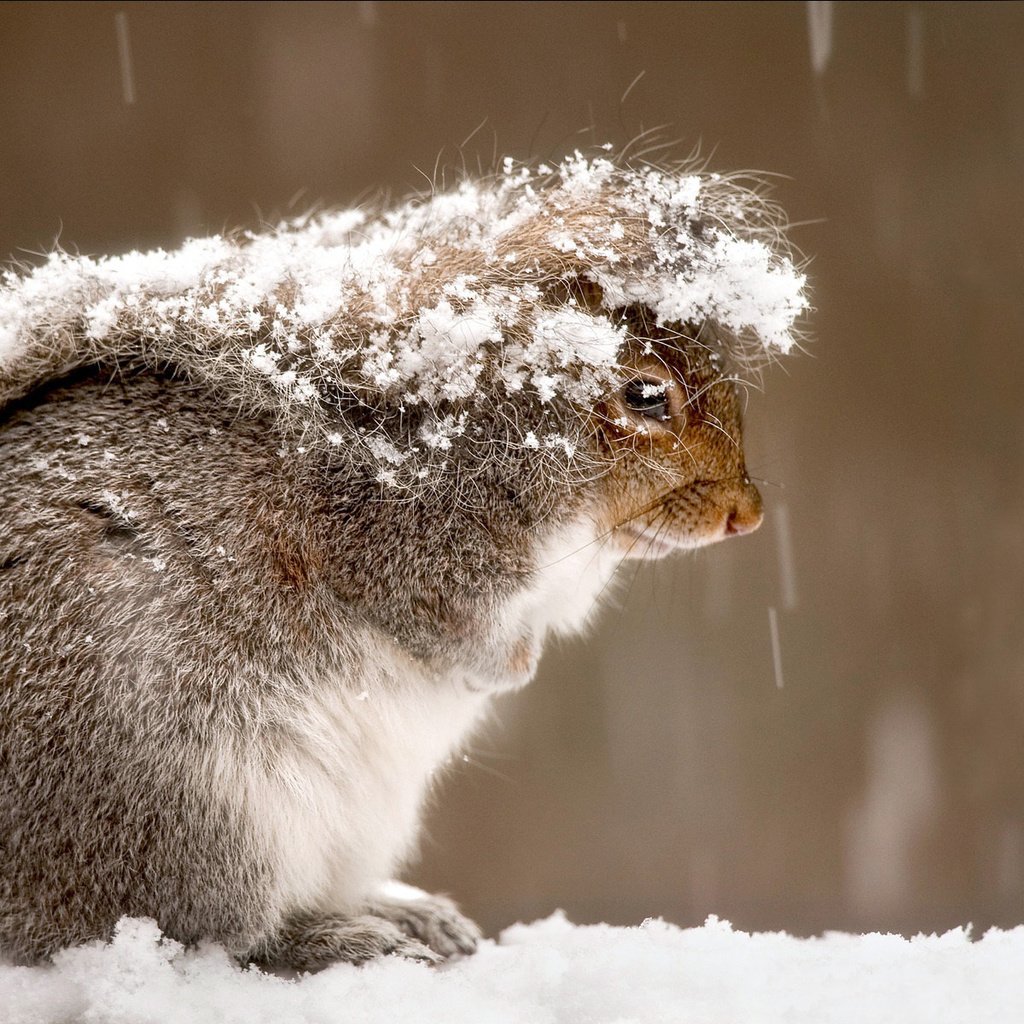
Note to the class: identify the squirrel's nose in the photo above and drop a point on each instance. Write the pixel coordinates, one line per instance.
(745, 515)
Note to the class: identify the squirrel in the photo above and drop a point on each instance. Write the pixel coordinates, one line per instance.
(284, 510)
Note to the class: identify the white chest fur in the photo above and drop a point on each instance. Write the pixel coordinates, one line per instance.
(336, 794)
(337, 798)
(574, 567)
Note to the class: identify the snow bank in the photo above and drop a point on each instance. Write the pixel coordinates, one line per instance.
(547, 972)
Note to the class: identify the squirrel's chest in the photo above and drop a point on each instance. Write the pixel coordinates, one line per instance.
(573, 570)
(337, 803)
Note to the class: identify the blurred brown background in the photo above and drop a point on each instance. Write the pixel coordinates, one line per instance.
(657, 768)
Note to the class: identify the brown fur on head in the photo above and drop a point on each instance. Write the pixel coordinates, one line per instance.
(676, 476)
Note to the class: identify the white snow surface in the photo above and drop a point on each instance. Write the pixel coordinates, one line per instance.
(549, 972)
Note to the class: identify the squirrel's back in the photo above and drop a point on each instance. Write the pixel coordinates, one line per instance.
(185, 706)
(195, 724)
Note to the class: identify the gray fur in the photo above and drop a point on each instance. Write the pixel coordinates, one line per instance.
(310, 942)
(171, 582)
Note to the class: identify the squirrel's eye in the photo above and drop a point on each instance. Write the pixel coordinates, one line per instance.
(647, 398)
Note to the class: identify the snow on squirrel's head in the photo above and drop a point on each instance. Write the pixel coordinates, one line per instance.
(494, 317)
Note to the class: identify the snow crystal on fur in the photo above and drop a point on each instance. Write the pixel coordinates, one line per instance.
(432, 306)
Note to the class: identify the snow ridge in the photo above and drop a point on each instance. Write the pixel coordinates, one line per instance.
(550, 972)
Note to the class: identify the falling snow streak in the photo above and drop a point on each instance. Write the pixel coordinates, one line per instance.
(784, 546)
(819, 26)
(368, 13)
(124, 54)
(773, 625)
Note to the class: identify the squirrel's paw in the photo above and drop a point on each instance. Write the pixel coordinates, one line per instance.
(502, 666)
(311, 942)
(434, 920)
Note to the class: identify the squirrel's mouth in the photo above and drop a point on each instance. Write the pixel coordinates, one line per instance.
(656, 540)
(650, 543)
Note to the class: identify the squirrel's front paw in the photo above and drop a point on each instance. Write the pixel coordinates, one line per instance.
(434, 920)
(508, 665)
(311, 942)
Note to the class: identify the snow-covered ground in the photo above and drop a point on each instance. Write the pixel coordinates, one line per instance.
(547, 972)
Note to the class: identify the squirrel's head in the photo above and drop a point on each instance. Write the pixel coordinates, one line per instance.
(676, 476)
(531, 335)
(665, 439)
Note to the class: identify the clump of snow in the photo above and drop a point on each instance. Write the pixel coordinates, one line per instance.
(550, 972)
(438, 305)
